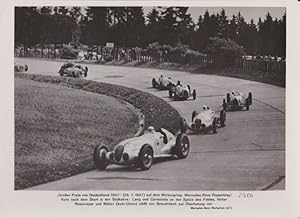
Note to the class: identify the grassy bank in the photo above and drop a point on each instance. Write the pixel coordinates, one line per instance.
(56, 128)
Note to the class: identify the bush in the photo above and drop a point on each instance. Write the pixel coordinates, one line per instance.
(224, 52)
(68, 52)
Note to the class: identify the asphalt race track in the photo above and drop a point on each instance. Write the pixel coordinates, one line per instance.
(248, 154)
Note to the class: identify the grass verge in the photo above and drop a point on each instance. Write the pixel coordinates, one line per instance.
(55, 140)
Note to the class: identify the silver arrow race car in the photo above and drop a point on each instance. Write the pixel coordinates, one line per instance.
(72, 70)
(163, 83)
(182, 92)
(205, 121)
(140, 151)
(20, 68)
(237, 101)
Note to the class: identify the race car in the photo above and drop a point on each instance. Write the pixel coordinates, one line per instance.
(181, 92)
(163, 83)
(140, 151)
(237, 101)
(72, 70)
(20, 68)
(205, 121)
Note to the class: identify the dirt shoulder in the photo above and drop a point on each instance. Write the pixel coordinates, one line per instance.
(56, 140)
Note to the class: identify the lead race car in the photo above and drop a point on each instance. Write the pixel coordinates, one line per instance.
(163, 83)
(140, 151)
(72, 70)
(237, 101)
(205, 121)
(182, 92)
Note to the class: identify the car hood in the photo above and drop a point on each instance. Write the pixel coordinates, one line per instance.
(205, 116)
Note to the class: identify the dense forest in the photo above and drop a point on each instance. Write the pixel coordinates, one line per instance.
(129, 27)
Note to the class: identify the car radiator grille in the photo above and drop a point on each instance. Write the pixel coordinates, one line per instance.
(119, 152)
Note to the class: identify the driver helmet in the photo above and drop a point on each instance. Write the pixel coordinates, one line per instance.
(151, 129)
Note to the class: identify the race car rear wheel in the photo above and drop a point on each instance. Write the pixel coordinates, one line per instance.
(100, 160)
(194, 94)
(170, 93)
(182, 125)
(250, 98)
(194, 114)
(145, 157)
(182, 147)
(214, 125)
(154, 84)
(247, 104)
(222, 118)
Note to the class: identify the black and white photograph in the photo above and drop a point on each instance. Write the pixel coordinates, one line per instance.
(149, 98)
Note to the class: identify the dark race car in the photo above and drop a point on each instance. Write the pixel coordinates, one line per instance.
(163, 83)
(237, 101)
(72, 70)
(182, 92)
(204, 121)
(140, 151)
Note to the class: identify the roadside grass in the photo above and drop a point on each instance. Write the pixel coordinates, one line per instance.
(59, 121)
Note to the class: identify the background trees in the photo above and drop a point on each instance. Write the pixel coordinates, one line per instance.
(129, 27)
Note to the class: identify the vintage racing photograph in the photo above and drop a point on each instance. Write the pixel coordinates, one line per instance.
(149, 98)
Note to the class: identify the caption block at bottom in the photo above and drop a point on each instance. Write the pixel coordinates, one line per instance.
(202, 201)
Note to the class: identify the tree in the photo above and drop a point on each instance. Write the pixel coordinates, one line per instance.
(224, 52)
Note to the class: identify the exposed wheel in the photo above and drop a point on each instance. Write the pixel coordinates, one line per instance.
(247, 104)
(182, 125)
(26, 67)
(194, 94)
(100, 160)
(224, 105)
(182, 147)
(194, 114)
(250, 98)
(228, 98)
(145, 159)
(154, 83)
(222, 118)
(175, 96)
(215, 125)
(170, 93)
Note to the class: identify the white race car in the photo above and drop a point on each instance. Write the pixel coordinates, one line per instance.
(72, 70)
(20, 68)
(163, 83)
(182, 92)
(237, 101)
(140, 151)
(205, 121)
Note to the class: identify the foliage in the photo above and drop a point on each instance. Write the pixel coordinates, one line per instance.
(68, 52)
(128, 27)
(224, 52)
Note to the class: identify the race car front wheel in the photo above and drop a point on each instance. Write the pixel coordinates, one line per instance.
(100, 160)
(145, 157)
(182, 147)
(182, 125)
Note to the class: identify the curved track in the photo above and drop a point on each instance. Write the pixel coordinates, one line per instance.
(248, 154)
